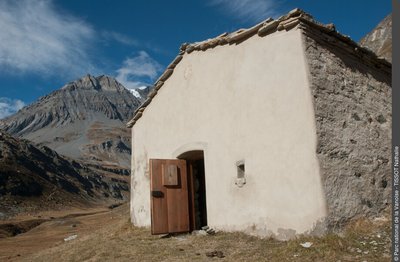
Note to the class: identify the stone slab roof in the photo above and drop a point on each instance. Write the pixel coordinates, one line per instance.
(294, 18)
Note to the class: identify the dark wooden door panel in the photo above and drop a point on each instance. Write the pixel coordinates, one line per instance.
(177, 202)
(169, 196)
(159, 225)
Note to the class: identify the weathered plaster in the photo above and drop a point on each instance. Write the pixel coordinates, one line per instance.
(251, 102)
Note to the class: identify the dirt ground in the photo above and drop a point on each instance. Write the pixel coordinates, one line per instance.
(107, 235)
(51, 232)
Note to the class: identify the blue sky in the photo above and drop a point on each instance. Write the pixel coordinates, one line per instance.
(47, 43)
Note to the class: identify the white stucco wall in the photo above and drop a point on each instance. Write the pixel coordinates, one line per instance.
(248, 102)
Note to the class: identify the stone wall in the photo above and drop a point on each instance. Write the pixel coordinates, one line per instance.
(352, 103)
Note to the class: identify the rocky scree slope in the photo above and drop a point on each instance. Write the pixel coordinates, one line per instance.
(84, 120)
(37, 178)
(379, 40)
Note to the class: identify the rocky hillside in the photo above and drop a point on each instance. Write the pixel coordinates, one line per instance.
(37, 178)
(84, 120)
(379, 39)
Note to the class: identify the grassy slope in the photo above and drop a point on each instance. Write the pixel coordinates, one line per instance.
(120, 241)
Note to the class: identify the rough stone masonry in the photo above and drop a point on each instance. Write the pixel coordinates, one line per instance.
(352, 103)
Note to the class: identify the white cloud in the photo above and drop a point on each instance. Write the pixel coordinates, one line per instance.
(138, 71)
(120, 38)
(248, 10)
(35, 37)
(108, 36)
(9, 106)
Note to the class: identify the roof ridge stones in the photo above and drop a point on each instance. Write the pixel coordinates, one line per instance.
(266, 27)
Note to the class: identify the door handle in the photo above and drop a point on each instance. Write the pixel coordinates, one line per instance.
(156, 193)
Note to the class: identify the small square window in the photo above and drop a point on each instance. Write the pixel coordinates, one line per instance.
(240, 170)
(240, 176)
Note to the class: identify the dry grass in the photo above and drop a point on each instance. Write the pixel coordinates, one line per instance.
(118, 240)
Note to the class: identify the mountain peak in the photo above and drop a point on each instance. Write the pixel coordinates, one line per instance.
(82, 100)
(102, 82)
(379, 40)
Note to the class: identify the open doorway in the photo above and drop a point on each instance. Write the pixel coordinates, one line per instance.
(197, 188)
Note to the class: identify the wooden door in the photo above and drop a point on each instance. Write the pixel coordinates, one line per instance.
(169, 196)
